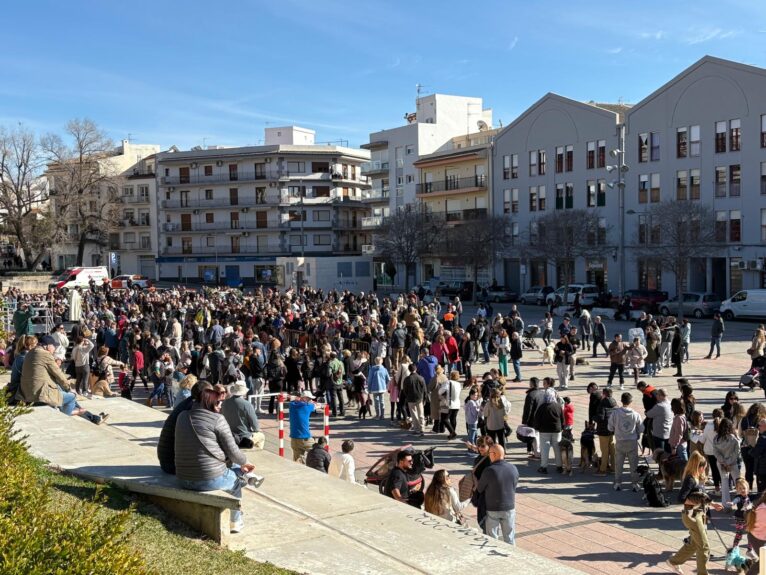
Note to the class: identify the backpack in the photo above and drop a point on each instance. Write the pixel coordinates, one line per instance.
(653, 492)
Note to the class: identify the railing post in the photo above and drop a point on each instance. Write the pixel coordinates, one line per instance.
(327, 426)
(281, 417)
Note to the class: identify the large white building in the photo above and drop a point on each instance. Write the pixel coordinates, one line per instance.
(700, 137)
(393, 176)
(286, 213)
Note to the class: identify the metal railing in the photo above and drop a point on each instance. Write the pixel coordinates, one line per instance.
(450, 184)
(372, 221)
(374, 166)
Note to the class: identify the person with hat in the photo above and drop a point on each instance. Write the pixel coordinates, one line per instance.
(241, 417)
(43, 382)
(300, 433)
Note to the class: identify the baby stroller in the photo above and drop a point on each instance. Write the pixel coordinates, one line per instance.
(750, 379)
(421, 460)
(528, 337)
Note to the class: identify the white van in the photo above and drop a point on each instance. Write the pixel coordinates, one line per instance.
(745, 303)
(80, 277)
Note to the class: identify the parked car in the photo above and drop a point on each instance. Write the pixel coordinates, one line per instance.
(696, 303)
(536, 295)
(745, 303)
(647, 300)
(500, 294)
(588, 294)
(121, 282)
(461, 289)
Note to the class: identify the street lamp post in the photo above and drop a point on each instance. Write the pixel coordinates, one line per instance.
(622, 169)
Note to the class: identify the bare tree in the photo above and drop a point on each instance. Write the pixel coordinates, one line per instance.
(407, 235)
(23, 193)
(476, 241)
(561, 237)
(675, 234)
(84, 188)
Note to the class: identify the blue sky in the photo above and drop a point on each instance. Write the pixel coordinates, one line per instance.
(190, 72)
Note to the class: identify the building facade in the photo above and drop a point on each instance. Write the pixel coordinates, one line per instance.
(391, 169)
(268, 215)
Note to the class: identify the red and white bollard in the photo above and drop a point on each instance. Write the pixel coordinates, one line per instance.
(281, 417)
(327, 426)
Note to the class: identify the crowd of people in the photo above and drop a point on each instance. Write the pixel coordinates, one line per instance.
(207, 352)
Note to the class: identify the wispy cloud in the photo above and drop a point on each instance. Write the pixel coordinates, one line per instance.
(702, 35)
(512, 43)
(652, 35)
(616, 50)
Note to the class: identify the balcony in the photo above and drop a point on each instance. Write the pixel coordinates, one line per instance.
(368, 249)
(372, 222)
(453, 185)
(374, 168)
(267, 199)
(224, 178)
(140, 199)
(130, 246)
(215, 251)
(240, 226)
(376, 195)
(133, 222)
(465, 215)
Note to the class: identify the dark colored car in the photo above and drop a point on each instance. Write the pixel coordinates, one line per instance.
(647, 300)
(501, 294)
(461, 289)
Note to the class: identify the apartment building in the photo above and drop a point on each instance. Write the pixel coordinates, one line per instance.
(286, 213)
(391, 170)
(119, 169)
(554, 156)
(702, 138)
(454, 186)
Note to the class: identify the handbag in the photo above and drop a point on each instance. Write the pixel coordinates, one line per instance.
(467, 483)
(751, 436)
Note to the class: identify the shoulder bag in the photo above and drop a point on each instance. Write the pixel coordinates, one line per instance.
(467, 483)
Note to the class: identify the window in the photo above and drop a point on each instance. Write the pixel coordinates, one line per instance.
(649, 274)
(763, 225)
(694, 184)
(399, 180)
(233, 172)
(344, 269)
(735, 176)
(720, 226)
(533, 232)
(532, 163)
(514, 233)
(235, 243)
(654, 140)
(654, 190)
(601, 193)
(321, 216)
(569, 195)
(296, 167)
(409, 150)
(322, 168)
(735, 226)
(541, 159)
(506, 167)
(296, 215)
(208, 194)
(682, 142)
(569, 158)
(322, 239)
(186, 245)
(682, 185)
(261, 220)
(694, 141)
(533, 198)
(143, 192)
(541, 198)
(720, 181)
(735, 142)
(321, 191)
(643, 229)
(511, 201)
(601, 234)
(763, 130)
(127, 191)
(559, 159)
(260, 195)
(233, 196)
(410, 178)
(210, 241)
(209, 218)
(296, 191)
(514, 166)
(643, 188)
(362, 269)
(720, 137)
(296, 240)
(234, 220)
(601, 158)
(559, 196)
(208, 170)
(591, 199)
(643, 148)
(763, 177)
(590, 156)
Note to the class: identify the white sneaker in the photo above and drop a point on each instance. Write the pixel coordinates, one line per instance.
(254, 480)
(236, 526)
(675, 568)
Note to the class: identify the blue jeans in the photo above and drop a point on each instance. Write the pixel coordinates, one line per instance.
(485, 351)
(377, 399)
(651, 369)
(231, 482)
(504, 521)
(69, 404)
(517, 367)
(472, 429)
(715, 343)
(158, 392)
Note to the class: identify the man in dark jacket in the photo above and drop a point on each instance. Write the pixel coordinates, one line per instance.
(758, 453)
(532, 401)
(414, 391)
(594, 395)
(498, 484)
(318, 457)
(605, 437)
(716, 333)
(599, 335)
(549, 421)
(166, 446)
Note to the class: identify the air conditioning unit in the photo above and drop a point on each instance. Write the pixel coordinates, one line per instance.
(742, 265)
(753, 265)
(219, 163)
(245, 234)
(267, 160)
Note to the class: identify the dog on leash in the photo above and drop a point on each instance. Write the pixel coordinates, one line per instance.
(588, 455)
(567, 451)
(549, 353)
(671, 468)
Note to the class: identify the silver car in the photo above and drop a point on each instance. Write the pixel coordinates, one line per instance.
(695, 303)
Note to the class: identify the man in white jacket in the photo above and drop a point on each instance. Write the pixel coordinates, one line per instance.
(342, 464)
(626, 425)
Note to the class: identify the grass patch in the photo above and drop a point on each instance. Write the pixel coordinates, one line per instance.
(166, 546)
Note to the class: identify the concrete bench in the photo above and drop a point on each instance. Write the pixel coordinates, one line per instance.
(105, 455)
